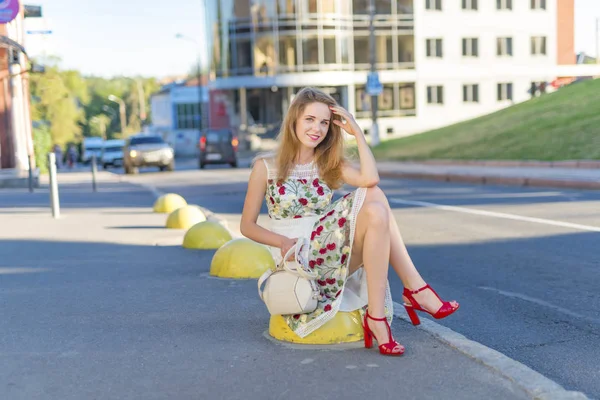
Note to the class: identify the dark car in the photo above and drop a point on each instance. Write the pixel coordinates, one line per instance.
(218, 146)
(147, 151)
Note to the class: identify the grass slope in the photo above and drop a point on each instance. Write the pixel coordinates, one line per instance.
(564, 125)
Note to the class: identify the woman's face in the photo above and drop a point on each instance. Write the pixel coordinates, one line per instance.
(313, 124)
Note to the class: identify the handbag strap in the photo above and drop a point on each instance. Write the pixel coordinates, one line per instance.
(300, 269)
(262, 280)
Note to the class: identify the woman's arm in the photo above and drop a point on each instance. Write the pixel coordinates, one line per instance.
(368, 175)
(257, 186)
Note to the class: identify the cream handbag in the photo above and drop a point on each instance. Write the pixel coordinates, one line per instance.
(291, 289)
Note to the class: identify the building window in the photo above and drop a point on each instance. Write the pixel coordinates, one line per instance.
(433, 5)
(361, 50)
(471, 93)
(434, 48)
(329, 51)
(538, 4)
(505, 91)
(504, 47)
(396, 99)
(310, 51)
(469, 5)
(287, 52)
(187, 116)
(435, 94)
(470, 47)
(538, 45)
(504, 4)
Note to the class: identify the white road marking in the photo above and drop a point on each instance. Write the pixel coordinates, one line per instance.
(306, 361)
(542, 303)
(496, 214)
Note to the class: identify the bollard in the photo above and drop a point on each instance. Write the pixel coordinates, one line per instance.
(30, 160)
(54, 201)
(94, 170)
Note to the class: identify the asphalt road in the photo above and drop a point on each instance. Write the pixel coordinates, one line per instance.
(523, 263)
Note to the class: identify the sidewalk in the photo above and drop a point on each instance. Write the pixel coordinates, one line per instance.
(103, 303)
(567, 176)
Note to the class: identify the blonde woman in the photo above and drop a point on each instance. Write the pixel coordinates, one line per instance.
(352, 240)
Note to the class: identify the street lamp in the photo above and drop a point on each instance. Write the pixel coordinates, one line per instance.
(199, 78)
(121, 104)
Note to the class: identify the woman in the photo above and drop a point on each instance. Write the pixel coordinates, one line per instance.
(356, 231)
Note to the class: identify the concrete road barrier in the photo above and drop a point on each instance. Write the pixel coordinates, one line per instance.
(241, 259)
(185, 217)
(206, 235)
(167, 203)
(345, 327)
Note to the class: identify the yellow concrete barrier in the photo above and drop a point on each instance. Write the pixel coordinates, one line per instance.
(185, 217)
(206, 235)
(241, 259)
(345, 327)
(168, 203)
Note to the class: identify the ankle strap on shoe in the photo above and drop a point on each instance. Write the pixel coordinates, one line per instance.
(418, 290)
(375, 319)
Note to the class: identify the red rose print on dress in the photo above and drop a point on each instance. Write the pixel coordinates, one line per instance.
(303, 201)
(330, 281)
(327, 308)
(312, 263)
(331, 246)
(341, 222)
(272, 200)
(321, 283)
(343, 260)
(312, 235)
(319, 230)
(323, 251)
(320, 261)
(316, 182)
(320, 191)
(282, 190)
(297, 216)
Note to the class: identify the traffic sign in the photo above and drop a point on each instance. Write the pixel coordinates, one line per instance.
(374, 87)
(8, 10)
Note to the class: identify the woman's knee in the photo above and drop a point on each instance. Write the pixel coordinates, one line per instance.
(375, 193)
(376, 213)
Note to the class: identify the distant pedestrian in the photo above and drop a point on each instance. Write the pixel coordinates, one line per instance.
(533, 89)
(72, 156)
(346, 243)
(58, 154)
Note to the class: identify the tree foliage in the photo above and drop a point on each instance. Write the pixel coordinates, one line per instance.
(75, 106)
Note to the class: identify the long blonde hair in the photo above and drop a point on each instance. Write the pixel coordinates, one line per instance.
(329, 154)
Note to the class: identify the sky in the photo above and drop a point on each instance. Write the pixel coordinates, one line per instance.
(137, 37)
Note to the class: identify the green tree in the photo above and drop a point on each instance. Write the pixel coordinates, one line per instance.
(58, 98)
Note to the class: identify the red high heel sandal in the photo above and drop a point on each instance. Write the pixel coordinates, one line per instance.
(445, 310)
(387, 349)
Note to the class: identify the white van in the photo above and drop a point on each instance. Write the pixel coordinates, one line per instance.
(91, 145)
(112, 153)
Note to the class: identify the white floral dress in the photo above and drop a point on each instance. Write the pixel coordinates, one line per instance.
(301, 205)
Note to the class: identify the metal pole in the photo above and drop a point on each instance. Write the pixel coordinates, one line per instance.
(54, 201)
(122, 117)
(142, 101)
(200, 116)
(94, 170)
(374, 127)
(30, 159)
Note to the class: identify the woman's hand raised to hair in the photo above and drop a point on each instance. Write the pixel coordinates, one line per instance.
(348, 123)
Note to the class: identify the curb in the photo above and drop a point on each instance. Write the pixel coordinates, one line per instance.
(533, 383)
(494, 180)
(587, 164)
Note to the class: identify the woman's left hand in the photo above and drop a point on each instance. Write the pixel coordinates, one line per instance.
(347, 123)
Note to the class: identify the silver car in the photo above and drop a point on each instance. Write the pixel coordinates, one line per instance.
(147, 151)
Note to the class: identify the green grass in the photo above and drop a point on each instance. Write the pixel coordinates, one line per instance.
(564, 125)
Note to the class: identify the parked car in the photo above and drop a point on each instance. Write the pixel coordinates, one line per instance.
(218, 146)
(147, 151)
(112, 153)
(91, 146)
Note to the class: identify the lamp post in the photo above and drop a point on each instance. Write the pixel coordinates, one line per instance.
(199, 78)
(121, 104)
(374, 126)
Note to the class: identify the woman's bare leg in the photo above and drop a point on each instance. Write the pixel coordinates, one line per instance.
(400, 259)
(372, 248)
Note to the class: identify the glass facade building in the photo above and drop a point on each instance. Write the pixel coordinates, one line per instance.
(264, 51)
